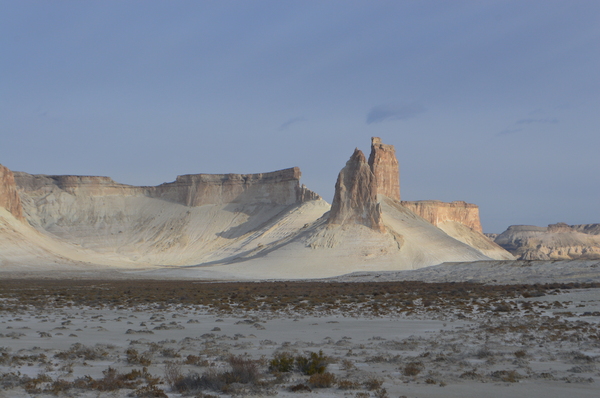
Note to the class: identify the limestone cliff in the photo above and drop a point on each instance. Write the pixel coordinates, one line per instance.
(9, 198)
(355, 198)
(384, 165)
(279, 187)
(437, 212)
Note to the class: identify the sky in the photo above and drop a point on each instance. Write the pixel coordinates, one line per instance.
(495, 103)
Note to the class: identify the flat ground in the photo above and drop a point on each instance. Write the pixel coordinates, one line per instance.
(94, 338)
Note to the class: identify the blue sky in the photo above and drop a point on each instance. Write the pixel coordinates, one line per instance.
(492, 102)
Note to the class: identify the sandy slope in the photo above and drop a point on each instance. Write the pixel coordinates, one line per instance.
(321, 250)
(232, 240)
(24, 248)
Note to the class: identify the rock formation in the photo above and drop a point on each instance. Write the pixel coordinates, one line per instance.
(260, 225)
(279, 187)
(9, 198)
(355, 198)
(437, 212)
(385, 168)
(555, 242)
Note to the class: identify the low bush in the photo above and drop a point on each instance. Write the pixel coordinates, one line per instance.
(322, 380)
(412, 369)
(373, 383)
(312, 364)
(282, 362)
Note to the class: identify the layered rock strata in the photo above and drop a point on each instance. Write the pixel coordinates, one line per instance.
(9, 198)
(355, 198)
(437, 212)
(385, 168)
(279, 187)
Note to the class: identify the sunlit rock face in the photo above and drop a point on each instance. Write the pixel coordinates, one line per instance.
(355, 198)
(9, 198)
(437, 212)
(384, 165)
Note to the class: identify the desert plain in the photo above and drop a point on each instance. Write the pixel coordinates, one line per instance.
(152, 338)
(220, 285)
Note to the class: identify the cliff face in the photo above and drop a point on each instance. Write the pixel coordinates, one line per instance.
(385, 168)
(278, 187)
(9, 198)
(355, 199)
(437, 212)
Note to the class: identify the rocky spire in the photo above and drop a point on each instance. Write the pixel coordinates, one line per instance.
(384, 166)
(355, 199)
(9, 198)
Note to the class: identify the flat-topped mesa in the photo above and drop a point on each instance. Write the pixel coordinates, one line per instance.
(278, 187)
(9, 198)
(355, 198)
(437, 212)
(384, 165)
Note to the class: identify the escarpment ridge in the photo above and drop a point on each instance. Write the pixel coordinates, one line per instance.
(278, 187)
(264, 225)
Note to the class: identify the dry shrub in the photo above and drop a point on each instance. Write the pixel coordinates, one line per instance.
(79, 350)
(172, 373)
(243, 370)
(521, 354)
(300, 388)
(373, 383)
(381, 393)
(195, 360)
(508, 376)
(134, 357)
(412, 369)
(322, 380)
(347, 364)
(150, 391)
(348, 385)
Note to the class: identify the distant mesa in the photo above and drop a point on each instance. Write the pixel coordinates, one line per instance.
(555, 242)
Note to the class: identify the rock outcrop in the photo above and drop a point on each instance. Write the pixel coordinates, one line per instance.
(279, 187)
(9, 198)
(437, 212)
(555, 242)
(385, 168)
(355, 198)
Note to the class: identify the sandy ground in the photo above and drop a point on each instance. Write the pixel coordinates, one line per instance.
(545, 346)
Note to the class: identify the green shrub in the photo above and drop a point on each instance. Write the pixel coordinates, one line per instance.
(312, 364)
(282, 362)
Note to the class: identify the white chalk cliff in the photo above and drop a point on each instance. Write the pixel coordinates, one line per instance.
(241, 225)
